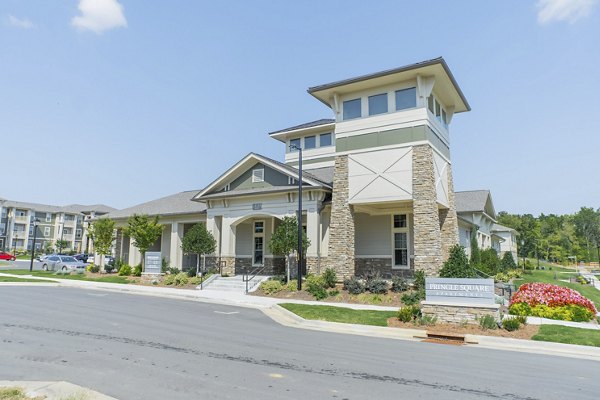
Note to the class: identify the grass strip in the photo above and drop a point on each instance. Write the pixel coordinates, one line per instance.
(76, 277)
(340, 314)
(568, 335)
(13, 279)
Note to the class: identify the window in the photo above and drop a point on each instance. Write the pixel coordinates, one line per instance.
(378, 104)
(259, 229)
(294, 145)
(78, 233)
(400, 241)
(46, 231)
(48, 217)
(258, 175)
(352, 109)
(325, 139)
(2, 228)
(406, 98)
(310, 142)
(430, 104)
(291, 180)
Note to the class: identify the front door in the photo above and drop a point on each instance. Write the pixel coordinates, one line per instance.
(259, 237)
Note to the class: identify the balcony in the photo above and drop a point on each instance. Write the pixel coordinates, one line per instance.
(23, 219)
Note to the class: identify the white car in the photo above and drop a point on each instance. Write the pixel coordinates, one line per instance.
(62, 263)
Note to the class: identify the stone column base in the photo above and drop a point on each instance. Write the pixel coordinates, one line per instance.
(152, 278)
(460, 313)
(229, 267)
(316, 266)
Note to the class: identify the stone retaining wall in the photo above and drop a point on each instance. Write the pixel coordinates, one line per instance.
(459, 313)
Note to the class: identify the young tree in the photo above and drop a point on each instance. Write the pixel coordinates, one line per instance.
(144, 231)
(199, 241)
(457, 265)
(61, 245)
(508, 261)
(102, 233)
(284, 241)
(475, 252)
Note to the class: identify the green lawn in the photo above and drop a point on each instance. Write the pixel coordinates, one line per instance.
(12, 279)
(340, 314)
(566, 334)
(548, 277)
(78, 277)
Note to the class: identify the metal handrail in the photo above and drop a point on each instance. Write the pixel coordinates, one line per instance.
(482, 274)
(246, 278)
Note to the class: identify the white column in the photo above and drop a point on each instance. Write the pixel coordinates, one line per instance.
(312, 232)
(135, 256)
(213, 228)
(227, 238)
(175, 250)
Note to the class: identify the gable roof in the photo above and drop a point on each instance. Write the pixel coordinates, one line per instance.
(502, 228)
(249, 161)
(70, 209)
(178, 203)
(475, 201)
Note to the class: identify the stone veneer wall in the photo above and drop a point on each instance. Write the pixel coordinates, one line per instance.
(273, 265)
(229, 268)
(449, 220)
(341, 228)
(315, 265)
(381, 265)
(427, 232)
(459, 313)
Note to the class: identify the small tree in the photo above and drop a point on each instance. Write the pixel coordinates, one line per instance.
(457, 265)
(199, 241)
(144, 231)
(475, 252)
(61, 245)
(490, 262)
(508, 261)
(48, 248)
(102, 233)
(284, 241)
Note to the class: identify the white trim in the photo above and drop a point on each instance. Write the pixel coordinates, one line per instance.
(406, 230)
(258, 235)
(386, 256)
(258, 175)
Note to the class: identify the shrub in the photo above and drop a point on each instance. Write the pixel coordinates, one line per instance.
(93, 268)
(521, 318)
(412, 297)
(181, 279)
(330, 277)
(457, 265)
(169, 280)
(354, 286)
(511, 324)
(501, 277)
(490, 260)
(137, 270)
(508, 262)
(542, 297)
(315, 285)
(333, 292)
(399, 284)
(271, 287)
(125, 270)
(377, 285)
(426, 320)
(488, 322)
(194, 280)
(292, 285)
(109, 268)
(419, 280)
(191, 272)
(409, 313)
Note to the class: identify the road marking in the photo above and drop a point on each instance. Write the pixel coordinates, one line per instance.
(275, 376)
(227, 313)
(97, 294)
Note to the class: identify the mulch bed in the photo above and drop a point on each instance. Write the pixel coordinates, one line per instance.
(390, 299)
(525, 332)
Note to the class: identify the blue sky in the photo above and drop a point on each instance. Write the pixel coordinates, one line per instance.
(124, 102)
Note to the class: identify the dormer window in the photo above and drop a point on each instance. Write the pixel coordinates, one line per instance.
(436, 108)
(310, 142)
(258, 175)
(352, 109)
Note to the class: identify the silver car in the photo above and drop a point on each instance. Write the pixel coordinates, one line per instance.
(62, 263)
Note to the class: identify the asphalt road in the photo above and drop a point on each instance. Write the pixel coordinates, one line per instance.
(137, 347)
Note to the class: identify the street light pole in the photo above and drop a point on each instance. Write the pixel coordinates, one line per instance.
(35, 226)
(299, 260)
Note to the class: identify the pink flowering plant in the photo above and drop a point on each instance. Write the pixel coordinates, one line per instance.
(551, 301)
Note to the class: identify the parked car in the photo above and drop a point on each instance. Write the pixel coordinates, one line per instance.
(7, 256)
(108, 260)
(57, 262)
(81, 257)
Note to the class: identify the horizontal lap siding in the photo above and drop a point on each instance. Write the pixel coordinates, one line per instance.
(372, 235)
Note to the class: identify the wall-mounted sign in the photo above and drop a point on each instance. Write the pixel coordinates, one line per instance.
(153, 262)
(257, 206)
(455, 290)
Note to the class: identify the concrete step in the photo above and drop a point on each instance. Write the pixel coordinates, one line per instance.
(233, 284)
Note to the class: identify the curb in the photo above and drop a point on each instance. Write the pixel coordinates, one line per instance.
(56, 390)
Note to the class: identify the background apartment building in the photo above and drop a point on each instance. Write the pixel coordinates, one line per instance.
(66, 223)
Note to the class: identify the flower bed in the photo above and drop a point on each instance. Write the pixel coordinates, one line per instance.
(551, 301)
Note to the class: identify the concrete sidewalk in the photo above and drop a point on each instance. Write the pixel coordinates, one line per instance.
(56, 390)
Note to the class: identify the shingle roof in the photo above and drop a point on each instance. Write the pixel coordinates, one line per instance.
(502, 228)
(73, 208)
(178, 203)
(305, 173)
(323, 121)
(472, 200)
(324, 174)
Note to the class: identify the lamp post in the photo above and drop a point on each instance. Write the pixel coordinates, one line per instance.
(35, 226)
(299, 260)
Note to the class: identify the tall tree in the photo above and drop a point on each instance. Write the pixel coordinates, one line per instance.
(284, 241)
(198, 240)
(102, 233)
(144, 231)
(587, 226)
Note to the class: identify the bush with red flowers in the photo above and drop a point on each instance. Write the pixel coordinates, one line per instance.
(551, 301)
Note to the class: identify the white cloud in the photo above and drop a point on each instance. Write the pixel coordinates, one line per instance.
(22, 23)
(99, 15)
(563, 10)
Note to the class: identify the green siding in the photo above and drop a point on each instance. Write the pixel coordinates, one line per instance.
(272, 178)
(392, 137)
(308, 162)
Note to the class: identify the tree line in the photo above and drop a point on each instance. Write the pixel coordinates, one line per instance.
(557, 238)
